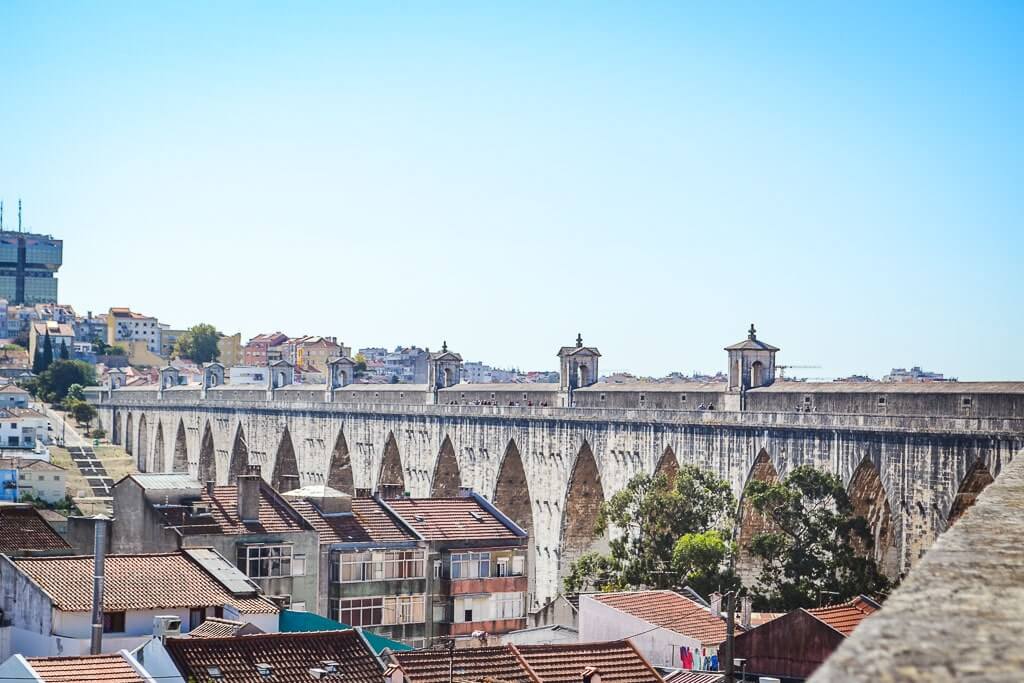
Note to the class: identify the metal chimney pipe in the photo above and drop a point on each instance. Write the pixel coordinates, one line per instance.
(99, 550)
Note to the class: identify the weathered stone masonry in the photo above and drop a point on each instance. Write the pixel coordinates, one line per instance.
(547, 467)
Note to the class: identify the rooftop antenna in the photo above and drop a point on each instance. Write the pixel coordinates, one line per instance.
(1, 216)
(19, 215)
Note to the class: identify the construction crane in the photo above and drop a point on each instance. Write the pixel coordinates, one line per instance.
(782, 369)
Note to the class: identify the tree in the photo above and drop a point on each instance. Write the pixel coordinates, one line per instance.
(198, 344)
(37, 361)
(47, 350)
(53, 384)
(64, 355)
(809, 551)
(360, 360)
(76, 392)
(663, 523)
(83, 413)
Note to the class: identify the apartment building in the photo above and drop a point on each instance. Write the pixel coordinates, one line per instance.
(126, 326)
(61, 334)
(256, 350)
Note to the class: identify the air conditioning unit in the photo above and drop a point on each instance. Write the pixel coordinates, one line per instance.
(166, 626)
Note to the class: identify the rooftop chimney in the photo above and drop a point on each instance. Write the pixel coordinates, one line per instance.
(716, 604)
(745, 604)
(209, 486)
(249, 494)
(99, 554)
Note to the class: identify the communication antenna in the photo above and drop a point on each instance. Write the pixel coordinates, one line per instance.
(19, 215)
(1, 216)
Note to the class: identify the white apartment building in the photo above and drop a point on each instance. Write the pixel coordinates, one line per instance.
(124, 325)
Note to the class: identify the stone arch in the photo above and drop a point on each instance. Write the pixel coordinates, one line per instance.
(207, 469)
(583, 499)
(179, 463)
(115, 429)
(749, 522)
(339, 469)
(391, 478)
(158, 461)
(867, 496)
(447, 477)
(239, 459)
(668, 465)
(512, 498)
(286, 468)
(129, 442)
(142, 456)
(974, 482)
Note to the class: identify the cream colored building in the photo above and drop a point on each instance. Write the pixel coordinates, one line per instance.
(59, 333)
(230, 347)
(39, 478)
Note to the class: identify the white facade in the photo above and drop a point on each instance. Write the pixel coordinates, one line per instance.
(137, 327)
(660, 646)
(45, 481)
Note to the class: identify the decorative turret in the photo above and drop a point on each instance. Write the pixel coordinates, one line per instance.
(444, 369)
(340, 372)
(213, 376)
(578, 368)
(751, 363)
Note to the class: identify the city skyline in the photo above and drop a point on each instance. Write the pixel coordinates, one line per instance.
(503, 179)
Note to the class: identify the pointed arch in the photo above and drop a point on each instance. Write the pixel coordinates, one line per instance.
(286, 468)
(749, 522)
(142, 454)
(129, 442)
(668, 465)
(179, 463)
(115, 429)
(339, 469)
(158, 462)
(391, 479)
(447, 477)
(974, 482)
(583, 501)
(867, 496)
(512, 490)
(207, 469)
(239, 459)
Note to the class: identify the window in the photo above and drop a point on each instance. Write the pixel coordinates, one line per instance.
(470, 565)
(501, 566)
(508, 605)
(643, 398)
(196, 616)
(379, 566)
(56, 477)
(378, 611)
(881, 400)
(113, 622)
(518, 565)
(807, 400)
(966, 401)
(602, 397)
(266, 561)
(437, 568)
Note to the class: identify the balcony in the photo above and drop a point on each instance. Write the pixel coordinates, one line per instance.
(492, 627)
(492, 584)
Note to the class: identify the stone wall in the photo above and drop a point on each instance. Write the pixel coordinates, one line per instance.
(916, 464)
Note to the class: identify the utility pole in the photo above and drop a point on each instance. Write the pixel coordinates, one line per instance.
(730, 629)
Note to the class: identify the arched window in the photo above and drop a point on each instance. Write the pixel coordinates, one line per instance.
(756, 374)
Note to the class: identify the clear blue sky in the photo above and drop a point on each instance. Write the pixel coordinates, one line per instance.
(656, 176)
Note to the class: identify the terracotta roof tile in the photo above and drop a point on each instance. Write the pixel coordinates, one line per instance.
(671, 611)
(473, 664)
(22, 528)
(694, 677)
(216, 628)
(847, 616)
(442, 519)
(616, 662)
(368, 522)
(111, 668)
(291, 656)
(134, 582)
(275, 514)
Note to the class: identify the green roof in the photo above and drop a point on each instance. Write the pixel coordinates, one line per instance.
(301, 622)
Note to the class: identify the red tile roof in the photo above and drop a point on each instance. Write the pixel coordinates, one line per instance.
(213, 627)
(443, 519)
(368, 522)
(134, 582)
(847, 616)
(276, 516)
(291, 655)
(22, 528)
(111, 668)
(616, 661)
(470, 663)
(671, 611)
